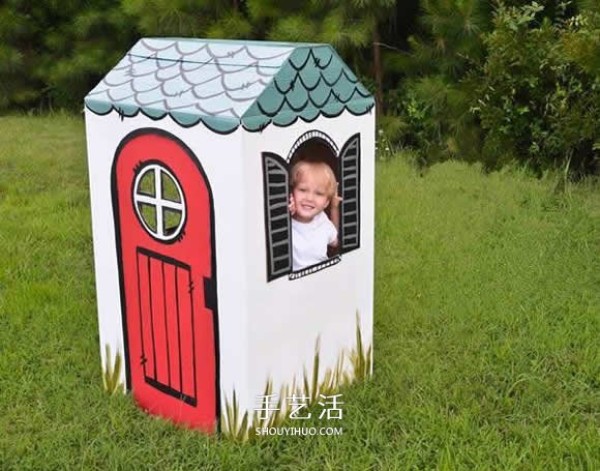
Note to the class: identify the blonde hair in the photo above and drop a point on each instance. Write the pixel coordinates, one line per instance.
(301, 167)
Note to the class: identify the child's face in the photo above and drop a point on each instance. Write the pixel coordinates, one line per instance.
(310, 195)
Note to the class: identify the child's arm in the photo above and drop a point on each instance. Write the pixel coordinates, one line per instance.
(334, 214)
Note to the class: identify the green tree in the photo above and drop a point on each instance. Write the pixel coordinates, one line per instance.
(353, 27)
(83, 48)
(190, 18)
(53, 52)
(21, 43)
(439, 69)
(357, 25)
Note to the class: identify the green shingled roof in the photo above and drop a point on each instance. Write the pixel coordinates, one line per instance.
(227, 84)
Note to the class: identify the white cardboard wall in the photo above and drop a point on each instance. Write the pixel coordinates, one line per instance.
(266, 330)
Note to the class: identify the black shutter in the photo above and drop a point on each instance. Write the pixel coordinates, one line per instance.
(277, 217)
(350, 192)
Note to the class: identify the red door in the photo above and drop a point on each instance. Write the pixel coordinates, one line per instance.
(164, 227)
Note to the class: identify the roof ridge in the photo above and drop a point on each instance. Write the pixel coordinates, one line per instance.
(211, 62)
(253, 42)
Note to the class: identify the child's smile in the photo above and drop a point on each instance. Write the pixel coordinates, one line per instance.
(310, 196)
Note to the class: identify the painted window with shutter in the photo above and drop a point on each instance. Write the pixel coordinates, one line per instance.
(278, 224)
(350, 193)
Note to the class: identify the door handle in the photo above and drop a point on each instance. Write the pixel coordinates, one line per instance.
(210, 294)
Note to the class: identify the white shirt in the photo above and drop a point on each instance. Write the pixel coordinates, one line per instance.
(310, 240)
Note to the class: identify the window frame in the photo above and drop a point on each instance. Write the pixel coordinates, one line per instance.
(347, 181)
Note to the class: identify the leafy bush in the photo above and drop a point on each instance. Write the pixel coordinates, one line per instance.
(437, 121)
(505, 81)
(538, 96)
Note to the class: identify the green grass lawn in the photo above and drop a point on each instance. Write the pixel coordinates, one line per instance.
(487, 328)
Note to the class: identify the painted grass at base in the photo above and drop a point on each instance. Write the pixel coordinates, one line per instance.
(241, 427)
(111, 378)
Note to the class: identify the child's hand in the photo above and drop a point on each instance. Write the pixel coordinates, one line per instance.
(292, 205)
(336, 200)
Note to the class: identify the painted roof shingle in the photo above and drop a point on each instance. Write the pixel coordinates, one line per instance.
(227, 84)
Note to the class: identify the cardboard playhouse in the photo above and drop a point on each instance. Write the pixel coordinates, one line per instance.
(189, 144)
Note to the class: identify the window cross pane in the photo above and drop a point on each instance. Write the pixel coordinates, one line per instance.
(159, 202)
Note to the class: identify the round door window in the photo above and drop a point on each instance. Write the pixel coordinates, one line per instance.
(159, 202)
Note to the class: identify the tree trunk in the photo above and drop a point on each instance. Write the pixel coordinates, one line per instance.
(378, 69)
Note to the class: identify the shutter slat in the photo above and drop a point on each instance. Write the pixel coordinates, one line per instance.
(279, 231)
(279, 205)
